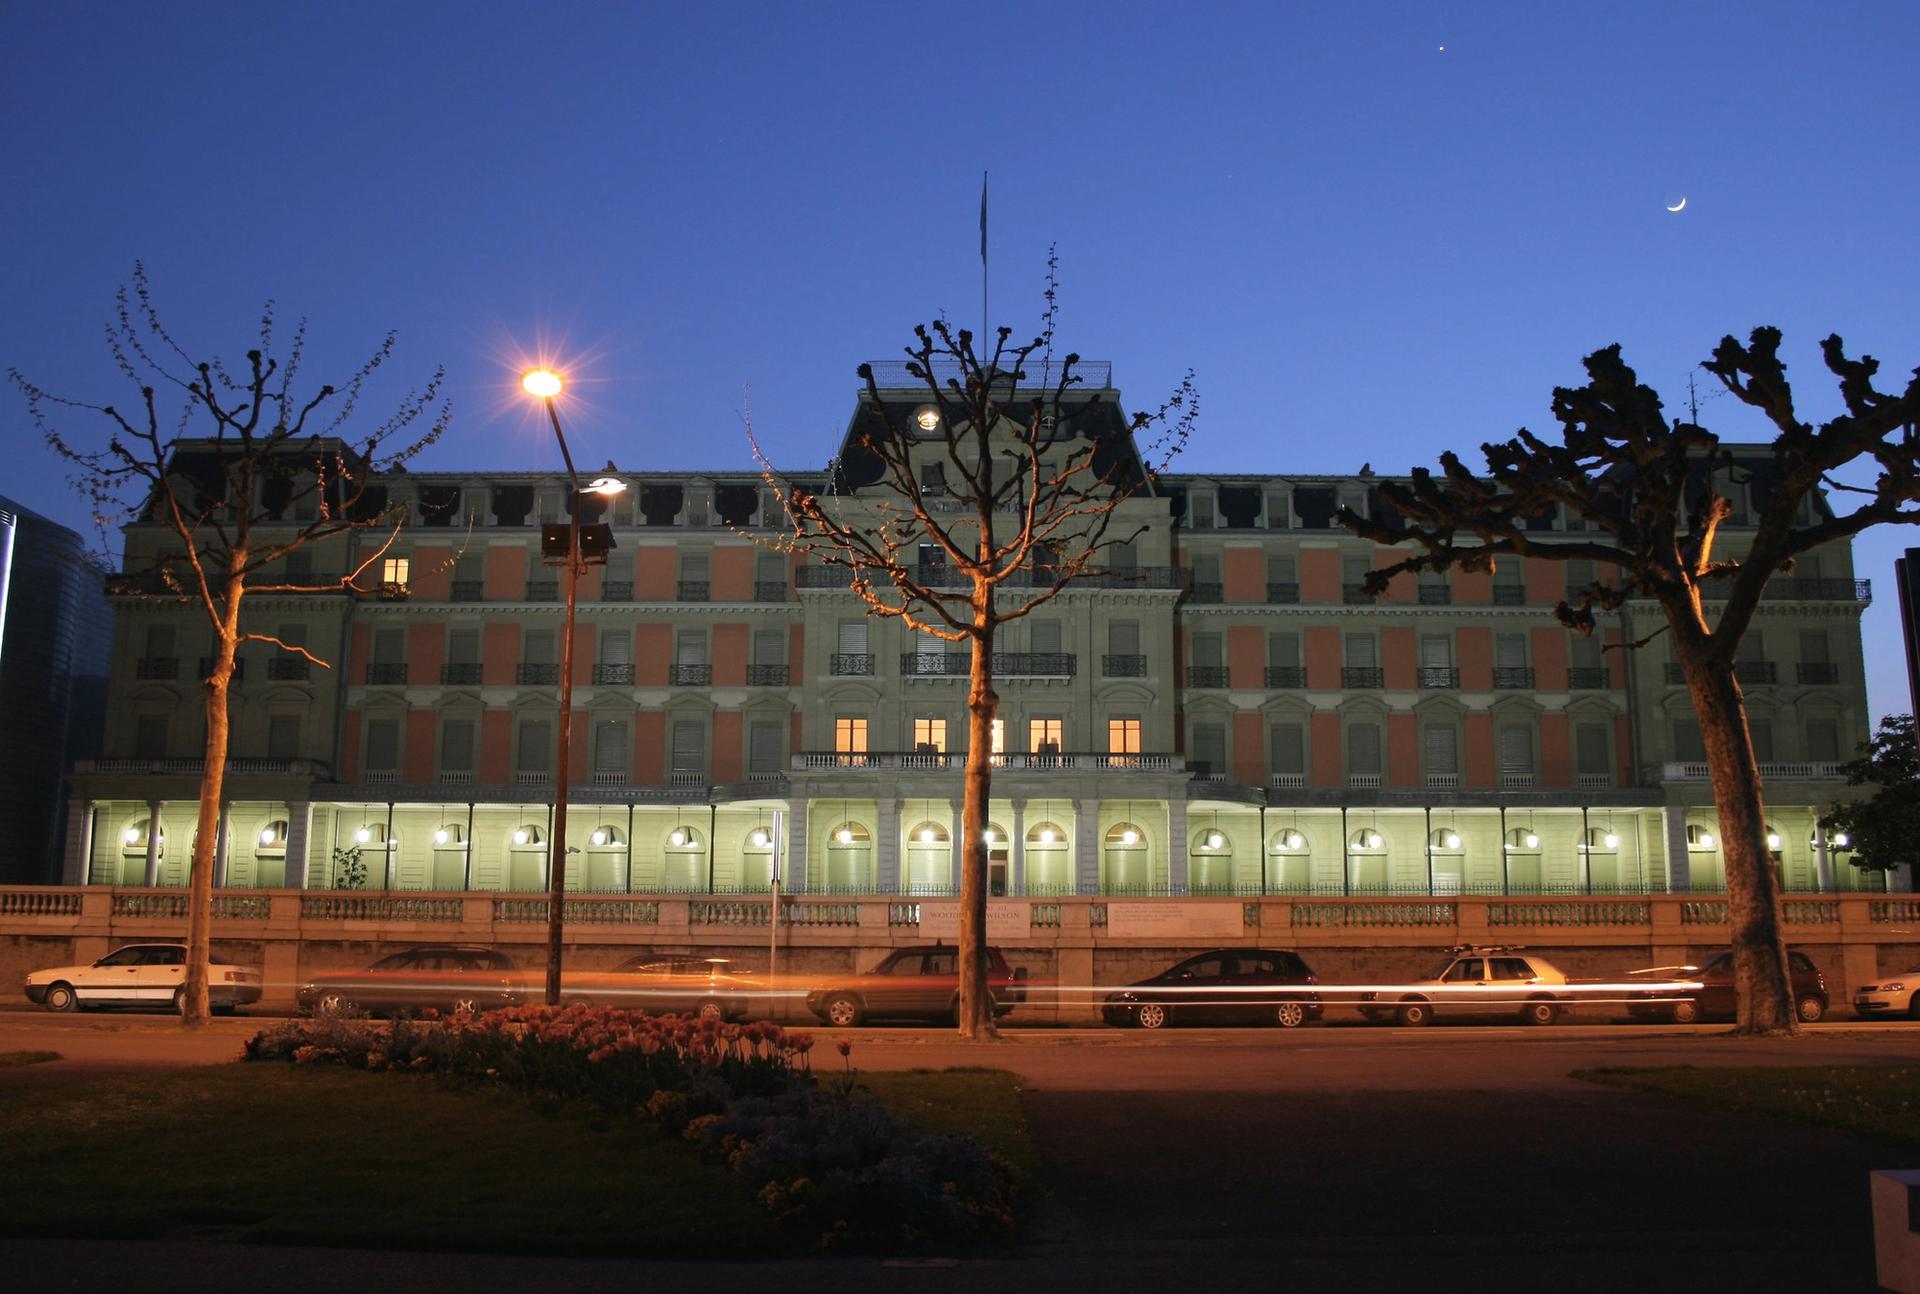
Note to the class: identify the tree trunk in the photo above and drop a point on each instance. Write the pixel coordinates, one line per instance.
(196, 1010)
(1764, 989)
(976, 999)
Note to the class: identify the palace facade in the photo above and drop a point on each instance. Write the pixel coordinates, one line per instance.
(1223, 710)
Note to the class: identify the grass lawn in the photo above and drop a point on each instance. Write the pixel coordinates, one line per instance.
(1870, 1100)
(324, 1155)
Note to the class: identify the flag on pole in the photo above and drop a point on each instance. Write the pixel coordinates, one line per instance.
(983, 217)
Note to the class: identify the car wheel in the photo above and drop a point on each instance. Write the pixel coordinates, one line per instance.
(1151, 1015)
(578, 1001)
(60, 997)
(843, 1010)
(332, 1004)
(1415, 1014)
(1685, 1011)
(180, 1001)
(1539, 1011)
(470, 1005)
(711, 1010)
(1289, 1015)
(1913, 1007)
(1810, 1009)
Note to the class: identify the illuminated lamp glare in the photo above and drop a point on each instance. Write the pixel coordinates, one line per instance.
(678, 838)
(1129, 837)
(1773, 840)
(846, 836)
(440, 836)
(598, 838)
(363, 835)
(1046, 837)
(1532, 841)
(1840, 839)
(758, 839)
(543, 383)
(520, 836)
(130, 835)
(1610, 840)
(1453, 840)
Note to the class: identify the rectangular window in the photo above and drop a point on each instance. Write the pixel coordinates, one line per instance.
(1590, 749)
(770, 647)
(536, 746)
(1282, 570)
(1283, 651)
(292, 635)
(933, 478)
(1353, 570)
(690, 648)
(1210, 749)
(1123, 736)
(1813, 647)
(1200, 509)
(538, 647)
(463, 646)
(764, 749)
(1516, 751)
(693, 568)
(283, 736)
(1588, 652)
(393, 570)
(850, 735)
(1206, 651)
(999, 736)
(1363, 749)
(1436, 651)
(610, 746)
(1510, 651)
(1361, 651)
(389, 646)
(1761, 731)
(853, 638)
(1277, 518)
(1440, 750)
(383, 745)
(1287, 750)
(1206, 570)
(1123, 637)
(1686, 742)
(1753, 646)
(1823, 741)
(769, 569)
(150, 736)
(456, 746)
(689, 750)
(930, 735)
(1044, 736)
(616, 647)
(1044, 638)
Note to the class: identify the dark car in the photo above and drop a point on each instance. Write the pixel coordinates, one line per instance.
(440, 977)
(1225, 986)
(1715, 999)
(702, 986)
(914, 984)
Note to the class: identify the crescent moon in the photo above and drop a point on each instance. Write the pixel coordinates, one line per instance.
(1680, 206)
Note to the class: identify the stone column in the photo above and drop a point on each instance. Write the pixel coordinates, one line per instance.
(1017, 851)
(1822, 859)
(220, 835)
(793, 875)
(153, 841)
(1177, 846)
(1086, 846)
(299, 830)
(886, 846)
(1679, 876)
(956, 850)
(77, 863)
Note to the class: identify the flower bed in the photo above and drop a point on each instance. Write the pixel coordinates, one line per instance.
(820, 1155)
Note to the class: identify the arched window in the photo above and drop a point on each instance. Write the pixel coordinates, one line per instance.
(1210, 862)
(607, 836)
(133, 839)
(1523, 840)
(528, 835)
(1289, 862)
(1447, 859)
(849, 859)
(1700, 840)
(1126, 860)
(684, 860)
(272, 841)
(929, 860)
(756, 859)
(1367, 861)
(1049, 865)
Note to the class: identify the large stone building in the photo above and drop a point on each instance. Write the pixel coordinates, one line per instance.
(1223, 711)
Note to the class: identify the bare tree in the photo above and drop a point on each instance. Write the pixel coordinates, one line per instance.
(1649, 497)
(242, 471)
(1013, 477)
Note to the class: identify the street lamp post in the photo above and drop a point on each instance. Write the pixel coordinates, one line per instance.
(545, 384)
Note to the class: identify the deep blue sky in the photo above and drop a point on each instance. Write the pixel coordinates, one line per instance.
(1369, 248)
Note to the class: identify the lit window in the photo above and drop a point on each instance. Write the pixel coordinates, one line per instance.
(393, 571)
(930, 736)
(1044, 736)
(850, 736)
(1123, 736)
(999, 736)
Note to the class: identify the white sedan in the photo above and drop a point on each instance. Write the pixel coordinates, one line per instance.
(1894, 995)
(151, 975)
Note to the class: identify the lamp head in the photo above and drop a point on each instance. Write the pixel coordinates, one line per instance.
(543, 383)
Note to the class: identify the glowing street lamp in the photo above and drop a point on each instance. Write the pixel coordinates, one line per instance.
(544, 384)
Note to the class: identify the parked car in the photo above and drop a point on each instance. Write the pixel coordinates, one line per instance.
(1492, 982)
(913, 984)
(1899, 995)
(702, 986)
(152, 975)
(1225, 986)
(1706, 992)
(443, 977)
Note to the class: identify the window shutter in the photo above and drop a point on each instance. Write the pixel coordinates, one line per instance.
(1436, 651)
(691, 648)
(539, 647)
(383, 745)
(1206, 651)
(456, 746)
(769, 647)
(1045, 637)
(1123, 638)
(1590, 748)
(610, 746)
(1360, 651)
(616, 647)
(689, 747)
(1289, 749)
(1813, 646)
(1363, 748)
(1441, 748)
(536, 742)
(1510, 651)
(463, 647)
(1516, 749)
(1283, 651)
(764, 748)
(1210, 746)
(853, 638)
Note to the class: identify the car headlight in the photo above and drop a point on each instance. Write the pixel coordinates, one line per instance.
(1894, 987)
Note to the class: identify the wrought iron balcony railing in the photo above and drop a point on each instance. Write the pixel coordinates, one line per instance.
(1286, 676)
(860, 663)
(1588, 678)
(467, 591)
(616, 590)
(1123, 666)
(1439, 676)
(1513, 676)
(691, 675)
(1509, 595)
(1817, 672)
(614, 675)
(1751, 673)
(1282, 592)
(289, 669)
(543, 590)
(1361, 676)
(1206, 676)
(537, 675)
(769, 590)
(1005, 664)
(1207, 595)
(1436, 595)
(157, 667)
(766, 676)
(460, 673)
(1355, 595)
(692, 591)
(386, 671)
